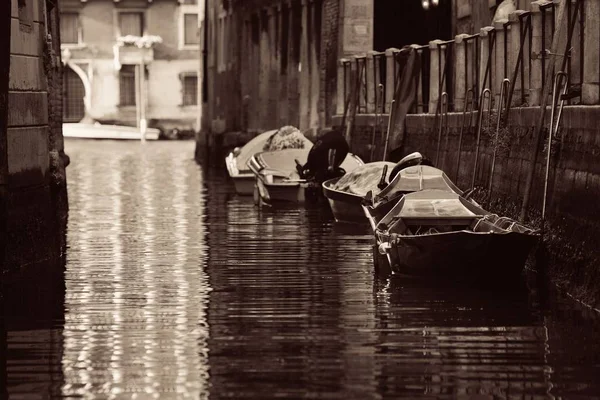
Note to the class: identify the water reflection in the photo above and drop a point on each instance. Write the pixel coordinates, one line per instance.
(136, 287)
(31, 344)
(455, 342)
(296, 312)
(169, 273)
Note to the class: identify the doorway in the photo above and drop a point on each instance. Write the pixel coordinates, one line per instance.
(400, 23)
(73, 94)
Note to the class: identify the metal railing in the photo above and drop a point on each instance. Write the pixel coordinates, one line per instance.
(516, 49)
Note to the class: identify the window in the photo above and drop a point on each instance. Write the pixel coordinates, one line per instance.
(190, 29)
(131, 23)
(69, 28)
(127, 85)
(190, 89)
(189, 35)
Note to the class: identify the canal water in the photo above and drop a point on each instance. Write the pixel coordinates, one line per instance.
(174, 288)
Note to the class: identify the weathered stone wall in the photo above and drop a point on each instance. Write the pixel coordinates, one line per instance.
(573, 214)
(286, 70)
(34, 197)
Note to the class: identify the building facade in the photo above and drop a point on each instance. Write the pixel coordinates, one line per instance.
(131, 61)
(273, 62)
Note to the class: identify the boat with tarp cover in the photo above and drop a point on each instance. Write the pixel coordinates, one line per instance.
(439, 232)
(296, 175)
(237, 161)
(345, 194)
(411, 179)
(277, 176)
(382, 184)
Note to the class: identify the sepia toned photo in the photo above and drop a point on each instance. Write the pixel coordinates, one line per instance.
(299, 199)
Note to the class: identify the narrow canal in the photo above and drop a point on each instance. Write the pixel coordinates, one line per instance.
(177, 288)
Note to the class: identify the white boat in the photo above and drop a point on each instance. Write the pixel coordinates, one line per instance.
(237, 162)
(278, 178)
(112, 132)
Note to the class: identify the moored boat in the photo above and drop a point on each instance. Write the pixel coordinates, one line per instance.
(279, 178)
(237, 161)
(440, 233)
(345, 194)
(107, 132)
(412, 173)
(408, 180)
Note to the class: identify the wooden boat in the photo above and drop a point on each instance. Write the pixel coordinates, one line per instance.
(345, 194)
(278, 178)
(408, 180)
(110, 132)
(347, 206)
(237, 162)
(441, 233)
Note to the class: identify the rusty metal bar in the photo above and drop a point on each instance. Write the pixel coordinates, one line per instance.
(518, 65)
(540, 122)
(361, 84)
(347, 95)
(468, 100)
(443, 113)
(552, 132)
(479, 123)
(376, 124)
(503, 92)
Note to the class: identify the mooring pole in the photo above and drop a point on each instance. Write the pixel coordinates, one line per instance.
(562, 17)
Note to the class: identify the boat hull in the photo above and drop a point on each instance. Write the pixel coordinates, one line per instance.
(243, 181)
(346, 207)
(107, 132)
(462, 255)
(283, 193)
(244, 184)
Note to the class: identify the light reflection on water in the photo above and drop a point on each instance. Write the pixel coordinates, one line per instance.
(136, 286)
(177, 288)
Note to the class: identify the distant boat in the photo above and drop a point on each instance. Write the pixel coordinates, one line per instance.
(113, 132)
(440, 233)
(296, 175)
(237, 162)
(278, 178)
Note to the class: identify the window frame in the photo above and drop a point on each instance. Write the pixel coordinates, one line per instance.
(182, 78)
(117, 20)
(183, 10)
(79, 30)
(135, 83)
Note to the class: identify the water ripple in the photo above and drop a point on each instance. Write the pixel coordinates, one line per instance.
(176, 288)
